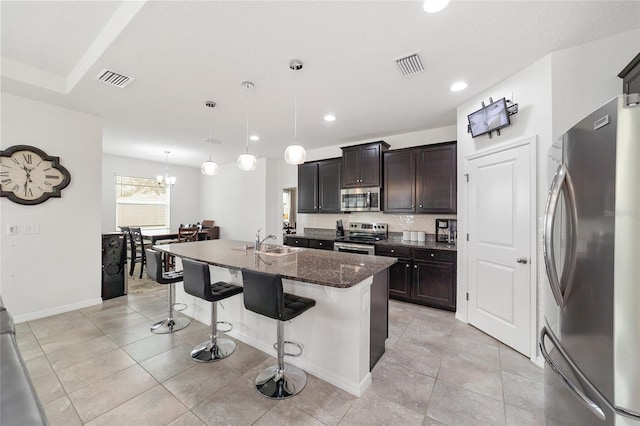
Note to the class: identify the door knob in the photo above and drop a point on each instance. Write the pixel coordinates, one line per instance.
(522, 260)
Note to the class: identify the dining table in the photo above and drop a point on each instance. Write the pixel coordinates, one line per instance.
(166, 235)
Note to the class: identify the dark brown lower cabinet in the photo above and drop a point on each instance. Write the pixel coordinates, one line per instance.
(422, 276)
(434, 284)
(400, 278)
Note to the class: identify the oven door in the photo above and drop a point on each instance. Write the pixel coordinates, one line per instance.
(354, 248)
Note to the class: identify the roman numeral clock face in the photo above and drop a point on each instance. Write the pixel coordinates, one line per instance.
(29, 176)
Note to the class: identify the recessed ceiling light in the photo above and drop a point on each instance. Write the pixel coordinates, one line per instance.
(456, 87)
(329, 117)
(433, 6)
(254, 138)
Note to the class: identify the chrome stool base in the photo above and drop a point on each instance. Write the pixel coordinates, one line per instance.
(169, 325)
(213, 351)
(276, 383)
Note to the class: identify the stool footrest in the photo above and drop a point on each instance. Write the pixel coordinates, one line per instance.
(179, 307)
(227, 324)
(275, 346)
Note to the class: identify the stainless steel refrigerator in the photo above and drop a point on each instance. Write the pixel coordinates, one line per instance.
(591, 339)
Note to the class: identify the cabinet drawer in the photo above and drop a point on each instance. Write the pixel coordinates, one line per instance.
(297, 242)
(321, 244)
(439, 255)
(395, 251)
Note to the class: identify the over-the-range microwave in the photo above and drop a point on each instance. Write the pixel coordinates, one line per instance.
(361, 199)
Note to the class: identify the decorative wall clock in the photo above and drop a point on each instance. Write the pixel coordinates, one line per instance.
(29, 176)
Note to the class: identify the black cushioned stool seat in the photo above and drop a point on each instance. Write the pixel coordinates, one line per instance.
(154, 272)
(263, 294)
(197, 282)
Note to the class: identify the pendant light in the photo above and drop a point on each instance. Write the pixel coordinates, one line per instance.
(166, 180)
(209, 168)
(295, 154)
(246, 161)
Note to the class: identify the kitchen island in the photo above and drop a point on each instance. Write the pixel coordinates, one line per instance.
(343, 336)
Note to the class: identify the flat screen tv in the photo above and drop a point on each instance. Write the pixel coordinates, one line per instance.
(489, 118)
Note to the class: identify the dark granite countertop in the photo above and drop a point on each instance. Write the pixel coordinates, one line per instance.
(429, 244)
(328, 268)
(393, 240)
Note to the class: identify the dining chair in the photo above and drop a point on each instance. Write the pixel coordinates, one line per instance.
(188, 234)
(138, 254)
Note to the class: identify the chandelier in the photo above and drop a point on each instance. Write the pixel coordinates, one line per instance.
(166, 180)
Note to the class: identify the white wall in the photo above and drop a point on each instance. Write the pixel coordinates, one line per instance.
(586, 77)
(58, 269)
(185, 194)
(237, 201)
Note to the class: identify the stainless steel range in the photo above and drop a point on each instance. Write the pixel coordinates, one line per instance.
(361, 238)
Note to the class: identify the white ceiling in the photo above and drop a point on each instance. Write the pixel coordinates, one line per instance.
(184, 53)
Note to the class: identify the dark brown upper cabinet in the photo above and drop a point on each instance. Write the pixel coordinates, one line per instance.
(421, 180)
(362, 165)
(630, 76)
(319, 186)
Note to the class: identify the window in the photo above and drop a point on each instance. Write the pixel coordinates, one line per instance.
(141, 202)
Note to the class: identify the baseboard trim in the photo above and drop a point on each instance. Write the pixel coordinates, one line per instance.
(57, 310)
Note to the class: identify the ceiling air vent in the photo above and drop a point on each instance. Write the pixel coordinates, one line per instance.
(410, 64)
(113, 78)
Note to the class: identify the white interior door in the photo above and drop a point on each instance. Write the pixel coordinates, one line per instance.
(499, 218)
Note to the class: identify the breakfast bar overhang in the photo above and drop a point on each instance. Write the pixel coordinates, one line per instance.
(342, 337)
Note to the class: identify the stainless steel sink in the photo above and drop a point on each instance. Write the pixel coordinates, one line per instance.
(273, 250)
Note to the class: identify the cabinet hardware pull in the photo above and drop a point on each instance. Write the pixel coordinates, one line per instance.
(420, 205)
(393, 251)
(432, 254)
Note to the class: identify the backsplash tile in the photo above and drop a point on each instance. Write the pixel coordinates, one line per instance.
(396, 222)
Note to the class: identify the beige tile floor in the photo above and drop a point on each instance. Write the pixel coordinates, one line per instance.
(102, 366)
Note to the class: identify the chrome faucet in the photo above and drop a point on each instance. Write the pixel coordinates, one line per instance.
(259, 242)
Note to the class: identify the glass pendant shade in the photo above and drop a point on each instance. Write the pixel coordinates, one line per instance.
(433, 6)
(295, 154)
(247, 162)
(209, 168)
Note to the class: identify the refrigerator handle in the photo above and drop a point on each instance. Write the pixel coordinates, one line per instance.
(592, 406)
(547, 236)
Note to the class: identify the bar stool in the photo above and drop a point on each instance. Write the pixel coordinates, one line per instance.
(263, 295)
(197, 282)
(154, 272)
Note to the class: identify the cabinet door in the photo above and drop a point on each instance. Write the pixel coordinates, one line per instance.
(350, 172)
(400, 181)
(296, 241)
(434, 284)
(400, 279)
(369, 165)
(436, 179)
(329, 185)
(308, 188)
(321, 244)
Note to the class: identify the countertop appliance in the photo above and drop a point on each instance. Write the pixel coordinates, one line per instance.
(446, 230)
(361, 238)
(361, 199)
(591, 234)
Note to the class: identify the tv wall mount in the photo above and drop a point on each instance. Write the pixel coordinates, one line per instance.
(512, 109)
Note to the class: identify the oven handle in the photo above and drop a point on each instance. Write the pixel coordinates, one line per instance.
(338, 246)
